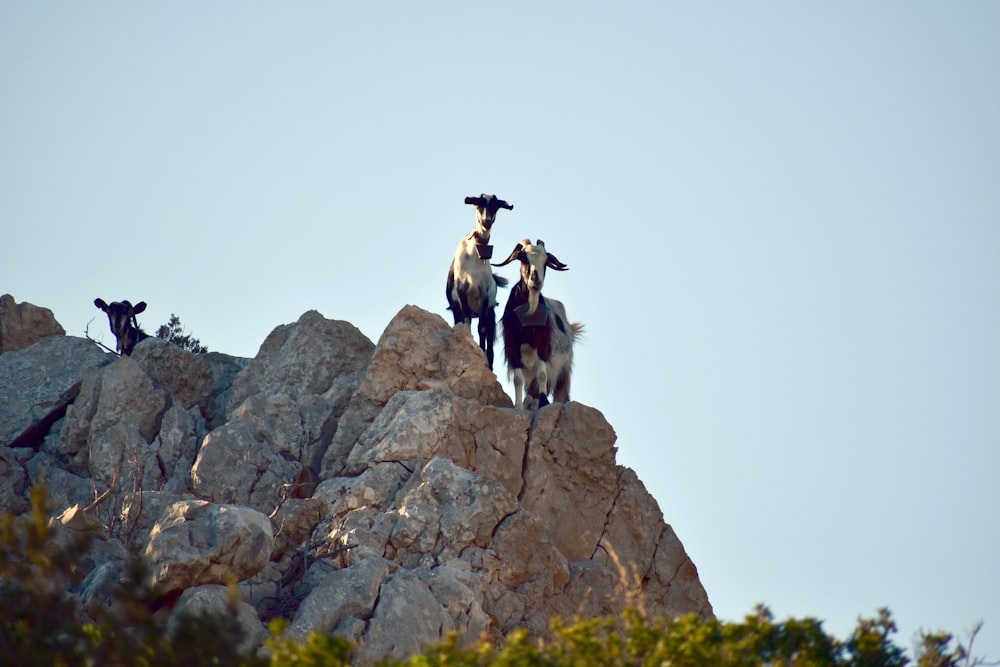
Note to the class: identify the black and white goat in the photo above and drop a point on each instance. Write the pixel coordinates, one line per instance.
(472, 285)
(121, 317)
(538, 337)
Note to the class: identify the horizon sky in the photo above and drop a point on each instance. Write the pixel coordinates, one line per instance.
(782, 223)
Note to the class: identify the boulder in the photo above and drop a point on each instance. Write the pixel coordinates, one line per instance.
(406, 619)
(217, 601)
(417, 351)
(24, 324)
(306, 357)
(38, 383)
(343, 594)
(254, 458)
(186, 376)
(110, 428)
(196, 542)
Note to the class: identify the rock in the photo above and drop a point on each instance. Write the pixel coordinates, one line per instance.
(65, 488)
(84, 531)
(181, 432)
(112, 423)
(13, 480)
(196, 542)
(38, 383)
(215, 600)
(225, 369)
(314, 362)
(275, 419)
(138, 513)
(417, 351)
(98, 588)
(253, 457)
(675, 588)
(344, 594)
(639, 556)
(23, 324)
(457, 589)
(186, 376)
(294, 523)
(419, 425)
(530, 565)
(303, 358)
(448, 510)
(437, 508)
(570, 476)
(406, 619)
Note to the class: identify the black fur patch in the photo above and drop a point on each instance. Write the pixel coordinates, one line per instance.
(535, 319)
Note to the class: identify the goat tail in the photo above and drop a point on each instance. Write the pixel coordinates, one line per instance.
(500, 280)
(577, 330)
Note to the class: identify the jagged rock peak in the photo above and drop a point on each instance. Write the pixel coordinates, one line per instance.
(387, 492)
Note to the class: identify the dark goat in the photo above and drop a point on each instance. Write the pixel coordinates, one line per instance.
(537, 336)
(121, 317)
(472, 286)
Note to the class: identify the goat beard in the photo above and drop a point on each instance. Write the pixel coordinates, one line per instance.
(533, 298)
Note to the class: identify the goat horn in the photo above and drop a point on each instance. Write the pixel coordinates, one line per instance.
(553, 262)
(513, 255)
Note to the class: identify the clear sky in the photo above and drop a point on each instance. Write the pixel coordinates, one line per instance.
(782, 221)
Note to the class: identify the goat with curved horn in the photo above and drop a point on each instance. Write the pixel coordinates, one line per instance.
(472, 286)
(538, 337)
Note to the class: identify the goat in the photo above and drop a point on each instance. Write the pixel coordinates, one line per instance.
(121, 317)
(538, 337)
(472, 285)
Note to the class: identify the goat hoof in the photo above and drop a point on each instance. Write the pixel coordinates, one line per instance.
(543, 400)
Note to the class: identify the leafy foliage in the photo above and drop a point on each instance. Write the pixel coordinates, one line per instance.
(174, 332)
(41, 623)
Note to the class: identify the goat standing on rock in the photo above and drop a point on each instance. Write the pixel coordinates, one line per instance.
(472, 285)
(538, 338)
(121, 317)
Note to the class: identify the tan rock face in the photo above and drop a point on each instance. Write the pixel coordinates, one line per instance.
(24, 324)
(387, 493)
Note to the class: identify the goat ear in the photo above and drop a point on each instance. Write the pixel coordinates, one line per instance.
(518, 249)
(475, 201)
(139, 307)
(553, 263)
(100, 304)
(502, 204)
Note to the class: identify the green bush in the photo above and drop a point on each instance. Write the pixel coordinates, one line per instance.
(173, 331)
(691, 642)
(41, 623)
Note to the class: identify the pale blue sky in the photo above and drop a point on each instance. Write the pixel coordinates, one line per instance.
(782, 222)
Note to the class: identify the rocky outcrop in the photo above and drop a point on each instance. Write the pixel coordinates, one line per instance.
(38, 383)
(388, 493)
(24, 324)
